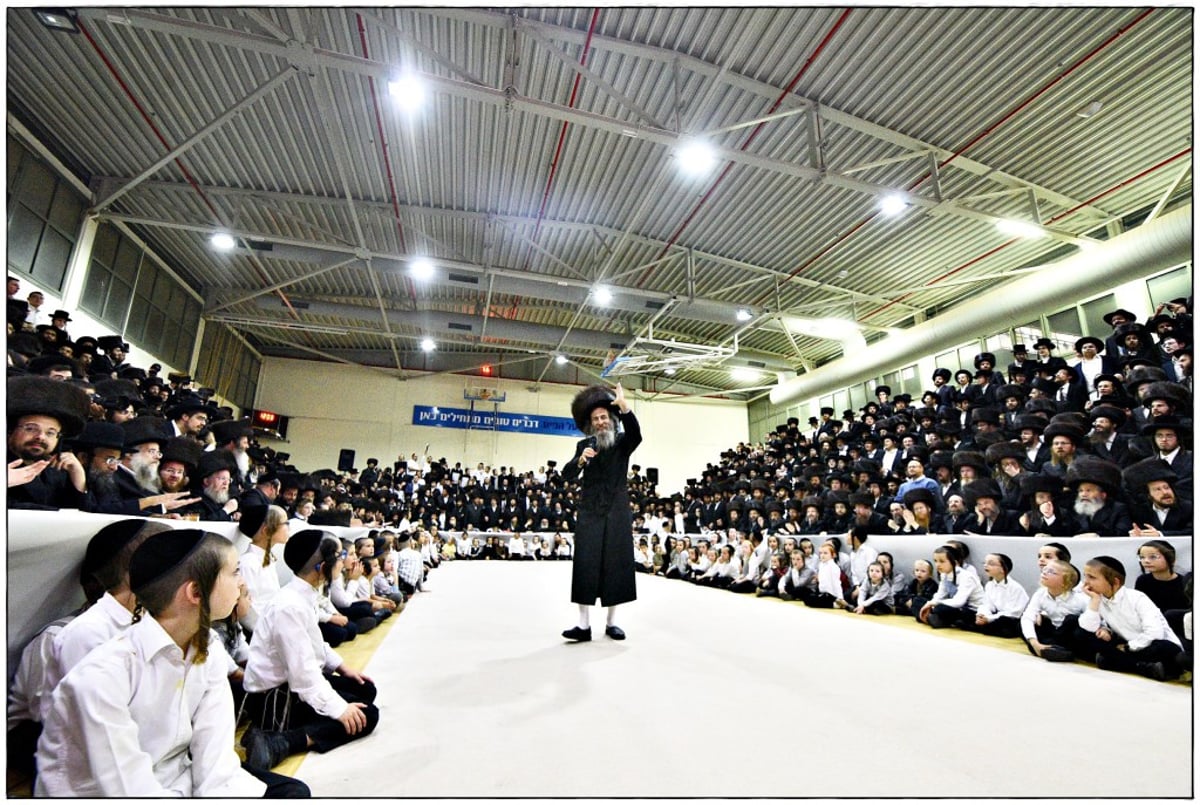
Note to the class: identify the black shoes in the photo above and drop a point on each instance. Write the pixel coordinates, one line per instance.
(614, 632)
(578, 634)
(1057, 654)
(264, 750)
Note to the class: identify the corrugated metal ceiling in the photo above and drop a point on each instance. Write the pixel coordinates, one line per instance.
(477, 176)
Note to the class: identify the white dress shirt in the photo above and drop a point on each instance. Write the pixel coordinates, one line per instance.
(860, 559)
(829, 578)
(965, 591)
(102, 620)
(1056, 608)
(1132, 616)
(29, 690)
(138, 718)
(261, 582)
(1002, 599)
(288, 647)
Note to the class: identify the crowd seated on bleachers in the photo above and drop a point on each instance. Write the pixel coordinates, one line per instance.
(1098, 446)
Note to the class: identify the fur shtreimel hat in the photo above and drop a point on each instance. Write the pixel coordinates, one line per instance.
(183, 450)
(1139, 475)
(1093, 470)
(35, 395)
(213, 462)
(982, 488)
(1002, 450)
(588, 400)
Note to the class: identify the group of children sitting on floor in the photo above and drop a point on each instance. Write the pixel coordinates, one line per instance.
(140, 692)
(1091, 615)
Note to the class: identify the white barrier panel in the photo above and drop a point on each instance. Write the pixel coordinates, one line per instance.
(45, 550)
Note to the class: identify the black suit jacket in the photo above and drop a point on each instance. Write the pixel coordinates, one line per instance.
(1179, 521)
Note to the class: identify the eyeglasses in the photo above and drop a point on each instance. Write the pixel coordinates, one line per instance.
(112, 462)
(1049, 571)
(30, 429)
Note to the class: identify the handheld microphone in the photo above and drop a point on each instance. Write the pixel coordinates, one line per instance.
(591, 442)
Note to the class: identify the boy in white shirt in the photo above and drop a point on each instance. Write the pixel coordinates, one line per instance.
(1124, 628)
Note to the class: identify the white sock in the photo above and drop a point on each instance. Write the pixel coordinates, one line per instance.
(612, 614)
(584, 616)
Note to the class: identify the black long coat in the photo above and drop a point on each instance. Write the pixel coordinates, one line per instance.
(603, 562)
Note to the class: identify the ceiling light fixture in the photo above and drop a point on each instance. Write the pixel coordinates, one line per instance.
(744, 314)
(892, 205)
(1021, 229)
(602, 295)
(222, 241)
(427, 345)
(561, 360)
(742, 375)
(57, 19)
(695, 157)
(670, 370)
(408, 92)
(1089, 110)
(421, 269)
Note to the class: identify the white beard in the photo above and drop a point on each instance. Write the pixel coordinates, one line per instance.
(243, 462)
(145, 471)
(220, 498)
(605, 439)
(1088, 508)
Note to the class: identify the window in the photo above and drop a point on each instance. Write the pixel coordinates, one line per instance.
(1064, 327)
(1171, 285)
(44, 218)
(1093, 315)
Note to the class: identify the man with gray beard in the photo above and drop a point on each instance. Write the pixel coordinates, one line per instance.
(233, 437)
(1096, 484)
(211, 486)
(136, 477)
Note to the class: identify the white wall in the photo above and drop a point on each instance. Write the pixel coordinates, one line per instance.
(335, 406)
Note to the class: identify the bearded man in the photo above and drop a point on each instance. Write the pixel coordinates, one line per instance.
(603, 566)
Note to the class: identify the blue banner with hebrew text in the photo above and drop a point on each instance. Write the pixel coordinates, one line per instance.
(440, 417)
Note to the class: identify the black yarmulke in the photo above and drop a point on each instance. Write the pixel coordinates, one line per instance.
(1111, 563)
(252, 519)
(160, 554)
(107, 543)
(301, 547)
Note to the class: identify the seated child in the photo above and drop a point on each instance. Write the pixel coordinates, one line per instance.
(1123, 627)
(149, 714)
(1004, 600)
(299, 692)
(829, 580)
(875, 593)
(959, 592)
(1051, 617)
(919, 590)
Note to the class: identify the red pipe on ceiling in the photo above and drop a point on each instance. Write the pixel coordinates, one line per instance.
(562, 136)
(746, 144)
(387, 162)
(183, 168)
(970, 144)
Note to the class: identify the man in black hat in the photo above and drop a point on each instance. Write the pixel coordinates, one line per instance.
(98, 449)
(41, 414)
(211, 485)
(1168, 432)
(1070, 394)
(1021, 363)
(189, 414)
(136, 477)
(180, 457)
(113, 360)
(1157, 510)
(1104, 440)
(983, 497)
(1064, 440)
(987, 362)
(1096, 484)
(1114, 319)
(603, 566)
(233, 437)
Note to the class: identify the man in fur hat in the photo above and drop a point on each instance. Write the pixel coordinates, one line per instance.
(1157, 510)
(211, 485)
(180, 457)
(98, 449)
(603, 566)
(1104, 439)
(1096, 484)
(983, 497)
(42, 413)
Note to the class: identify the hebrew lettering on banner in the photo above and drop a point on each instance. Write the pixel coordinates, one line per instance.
(438, 417)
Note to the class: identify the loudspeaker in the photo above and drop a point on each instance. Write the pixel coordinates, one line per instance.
(652, 474)
(345, 460)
